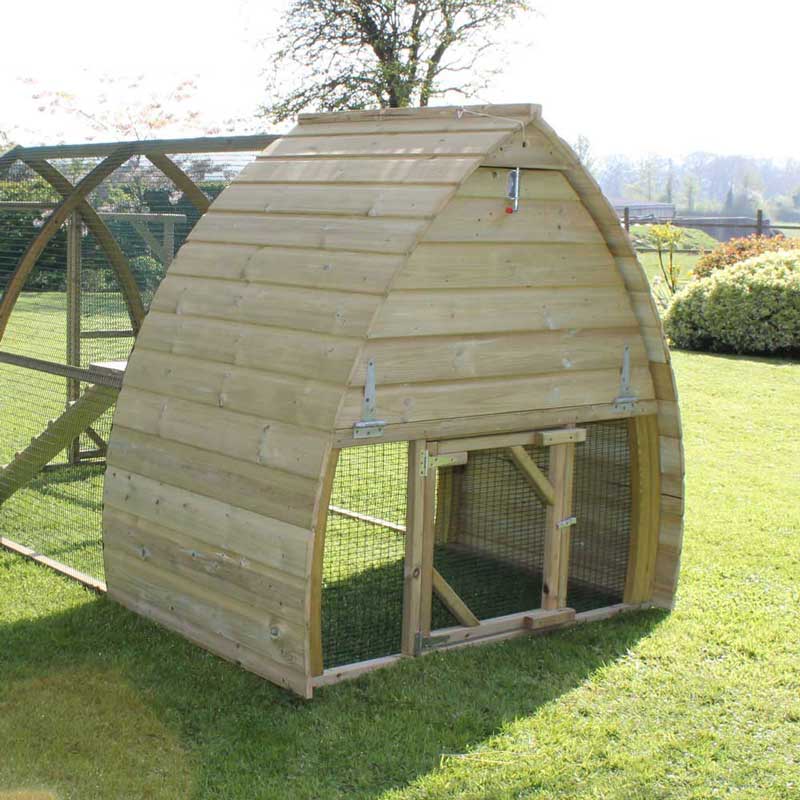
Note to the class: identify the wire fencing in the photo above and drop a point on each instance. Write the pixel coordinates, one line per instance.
(65, 339)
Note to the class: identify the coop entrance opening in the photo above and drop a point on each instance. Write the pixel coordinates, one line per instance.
(429, 544)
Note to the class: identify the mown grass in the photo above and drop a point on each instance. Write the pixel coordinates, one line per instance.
(700, 703)
(59, 512)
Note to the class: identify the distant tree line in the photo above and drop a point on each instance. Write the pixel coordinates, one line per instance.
(701, 183)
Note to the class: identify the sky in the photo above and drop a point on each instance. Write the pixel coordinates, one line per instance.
(635, 77)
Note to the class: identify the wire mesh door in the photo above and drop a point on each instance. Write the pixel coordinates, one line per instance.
(540, 521)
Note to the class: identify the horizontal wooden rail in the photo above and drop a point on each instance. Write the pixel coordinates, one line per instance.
(201, 144)
(101, 377)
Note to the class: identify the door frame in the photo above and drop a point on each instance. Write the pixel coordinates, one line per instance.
(421, 579)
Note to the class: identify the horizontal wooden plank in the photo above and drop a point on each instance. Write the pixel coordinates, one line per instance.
(654, 342)
(89, 581)
(450, 122)
(670, 530)
(285, 398)
(276, 544)
(669, 422)
(529, 149)
(428, 171)
(407, 313)
(671, 456)
(534, 620)
(293, 266)
(409, 403)
(255, 440)
(485, 220)
(217, 570)
(411, 115)
(255, 487)
(199, 144)
(476, 265)
(358, 234)
(447, 143)
(534, 184)
(302, 353)
(293, 678)
(349, 672)
(438, 358)
(488, 424)
(392, 200)
(186, 600)
(663, 381)
(336, 313)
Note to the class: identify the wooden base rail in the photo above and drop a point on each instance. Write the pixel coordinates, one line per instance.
(490, 631)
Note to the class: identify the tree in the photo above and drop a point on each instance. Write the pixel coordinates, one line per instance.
(583, 149)
(381, 53)
(691, 191)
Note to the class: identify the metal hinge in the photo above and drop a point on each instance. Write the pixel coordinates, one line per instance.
(626, 400)
(368, 427)
(427, 462)
(567, 523)
(423, 643)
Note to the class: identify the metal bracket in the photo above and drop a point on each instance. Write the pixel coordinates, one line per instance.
(512, 192)
(568, 522)
(626, 400)
(423, 643)
(427, 462)
(368, 427)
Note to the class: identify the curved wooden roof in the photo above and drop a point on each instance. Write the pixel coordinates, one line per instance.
(362, 236)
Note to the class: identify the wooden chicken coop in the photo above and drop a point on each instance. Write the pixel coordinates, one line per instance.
(402, 389)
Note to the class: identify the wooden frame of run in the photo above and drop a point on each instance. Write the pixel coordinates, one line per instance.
(422, 580)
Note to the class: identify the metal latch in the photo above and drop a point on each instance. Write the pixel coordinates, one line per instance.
(567, 523)
(427, 462)
(512, 192)
(422, 642)
(626, 400)
(368, 427)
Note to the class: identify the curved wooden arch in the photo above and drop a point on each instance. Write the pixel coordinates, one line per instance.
(51, 226)
(192, 191)
(105, 239)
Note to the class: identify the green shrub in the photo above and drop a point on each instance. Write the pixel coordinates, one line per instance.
(726, 254)
(752, 307)
(148, 273)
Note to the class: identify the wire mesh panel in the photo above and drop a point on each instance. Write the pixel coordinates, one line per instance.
(490, 528)
(489, 535)
(73, 312)
(362, 584)
(600, 540)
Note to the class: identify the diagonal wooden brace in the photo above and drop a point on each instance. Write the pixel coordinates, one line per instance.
(69, 204)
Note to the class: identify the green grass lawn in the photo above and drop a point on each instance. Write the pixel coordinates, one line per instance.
(701, 703)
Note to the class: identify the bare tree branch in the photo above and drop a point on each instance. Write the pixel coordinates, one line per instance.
(379, 53)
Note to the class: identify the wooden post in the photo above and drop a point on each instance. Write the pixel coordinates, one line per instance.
(169, 241)
(428, 525)
(760, 222)
(645, 508)
(412, 573)
(626, 213)
(73, 318)
(557, 533)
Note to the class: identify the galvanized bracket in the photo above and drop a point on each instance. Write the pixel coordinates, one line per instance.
(368, 427)
(626, 400)
(512, 192)
(423, 643)
(568, 522)
(427, 462)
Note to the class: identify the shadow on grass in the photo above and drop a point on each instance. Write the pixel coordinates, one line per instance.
(241, 737)
(362, 615)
